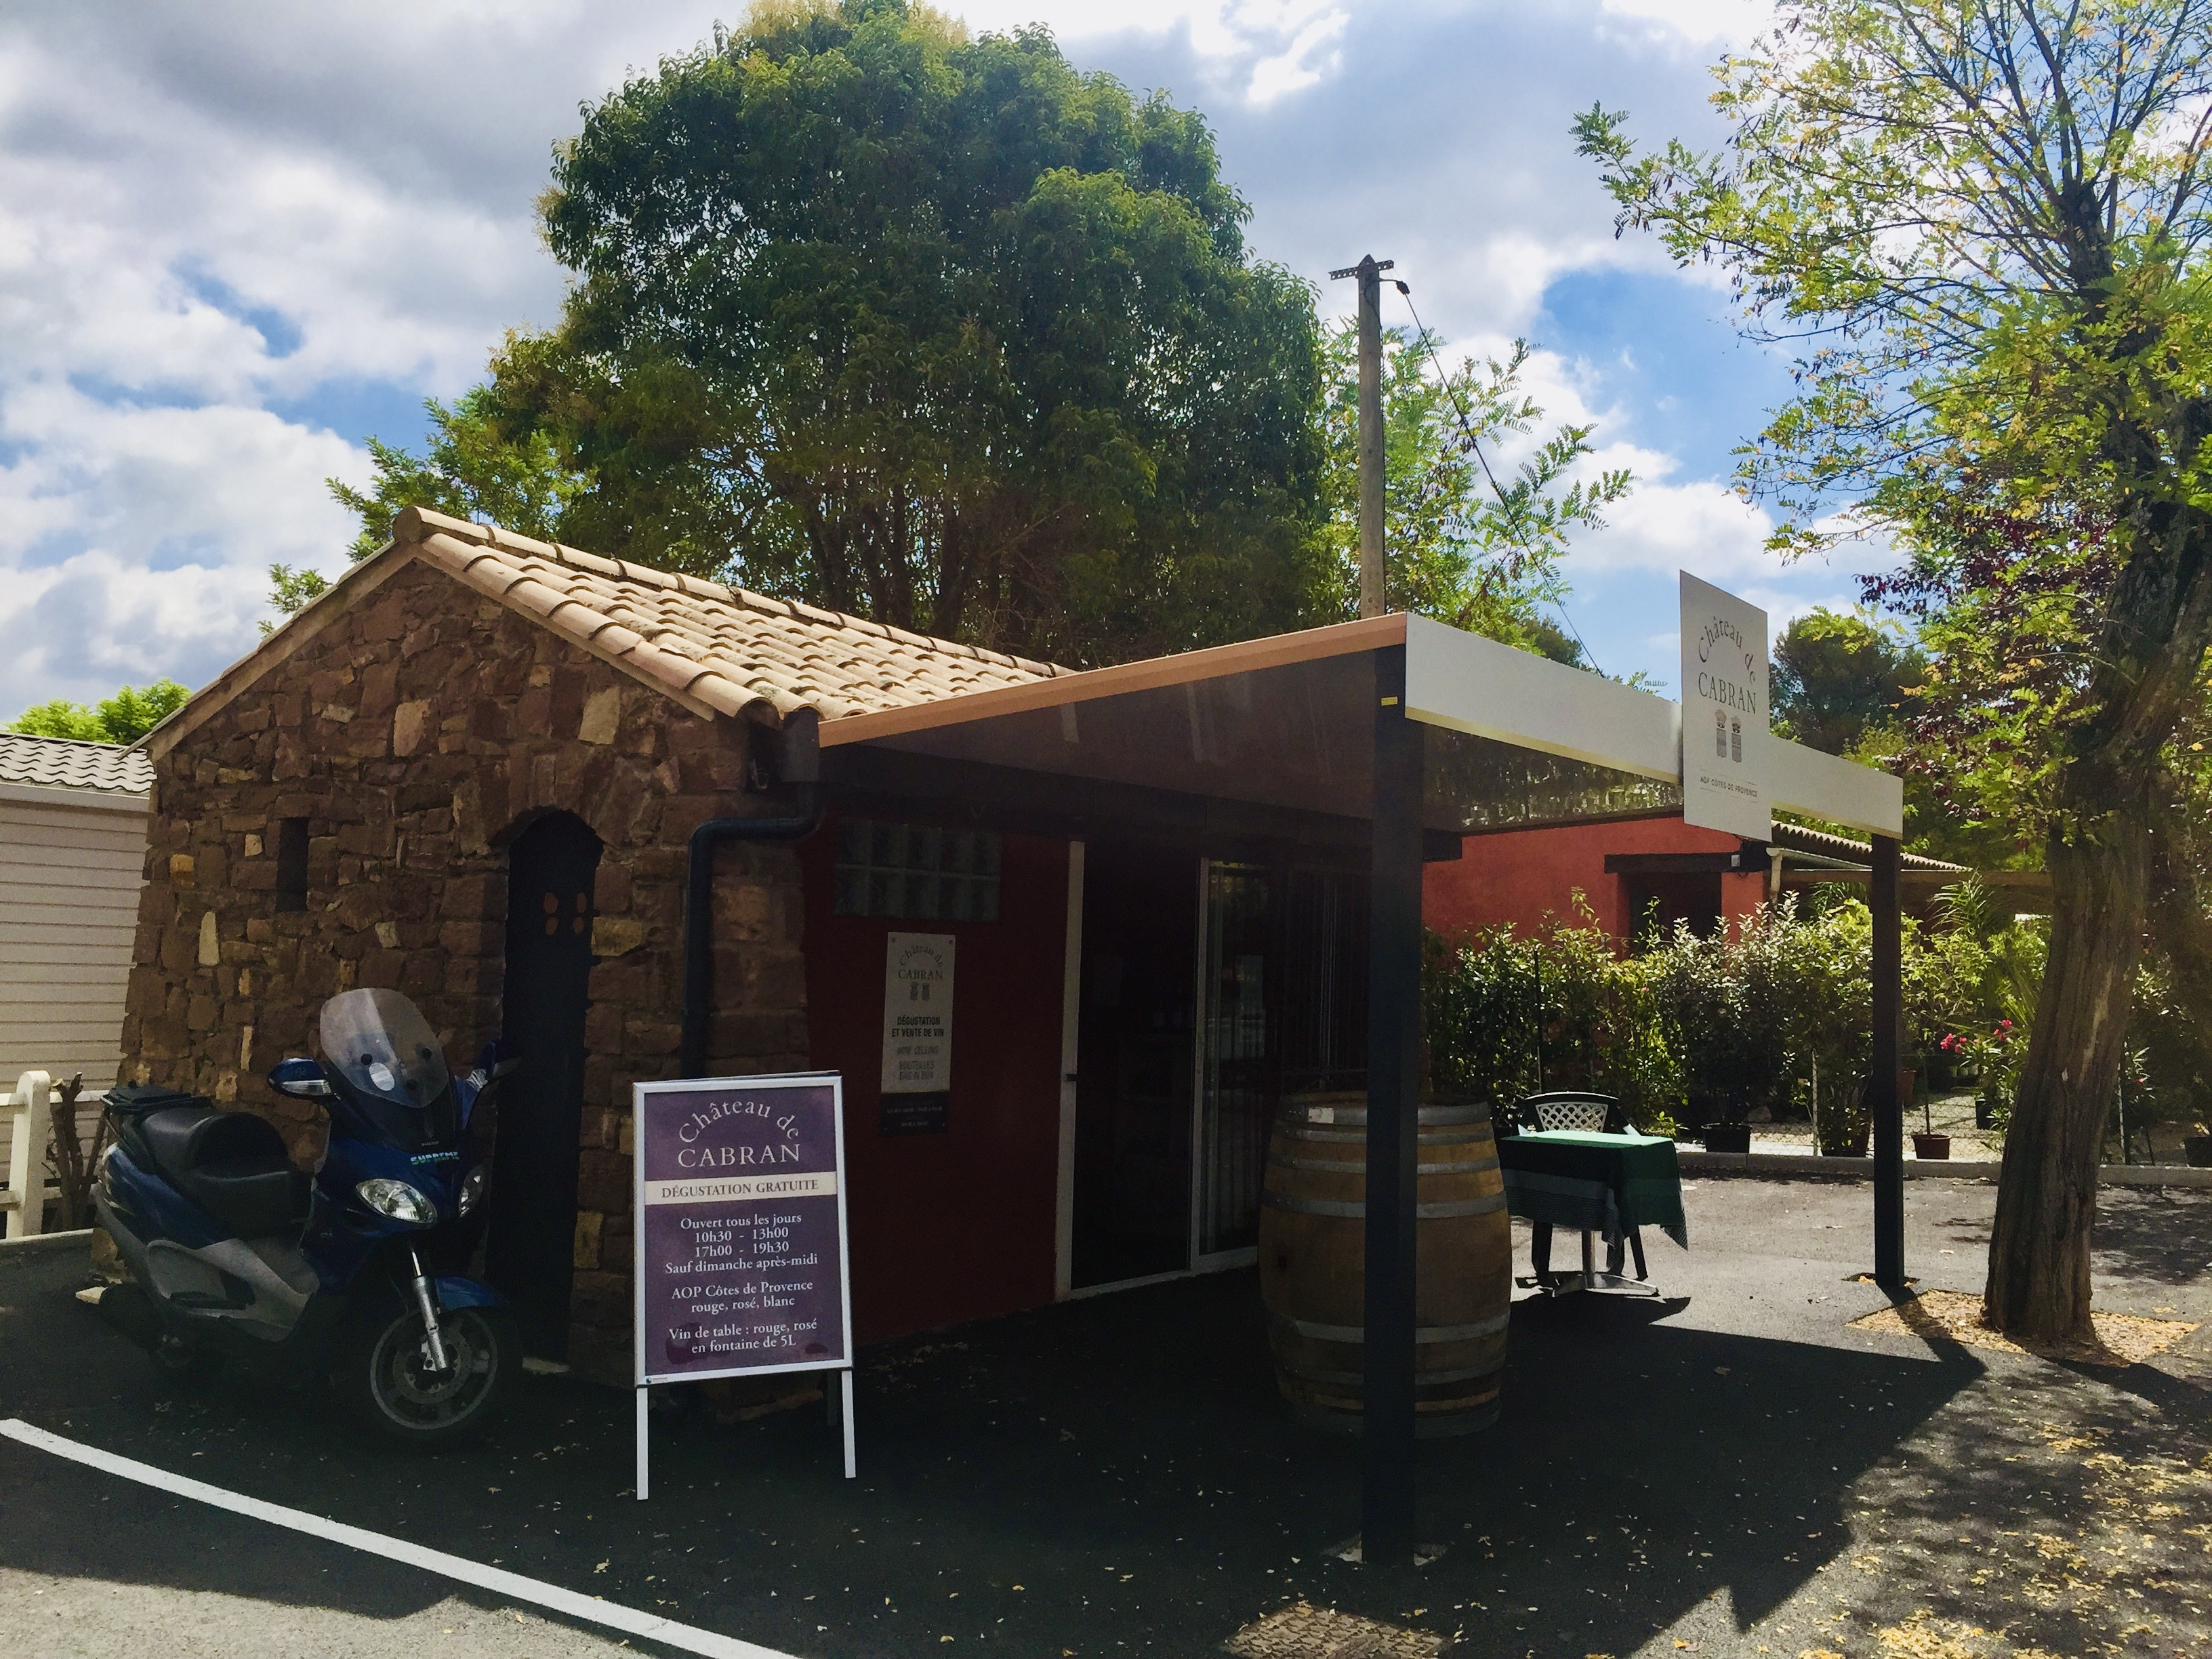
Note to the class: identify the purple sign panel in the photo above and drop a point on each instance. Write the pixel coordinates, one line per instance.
(740, 1227)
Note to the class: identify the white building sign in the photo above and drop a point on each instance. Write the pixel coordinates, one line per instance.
(1724, 713)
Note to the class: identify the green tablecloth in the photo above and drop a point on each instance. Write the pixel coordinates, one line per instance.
(1604, 1183)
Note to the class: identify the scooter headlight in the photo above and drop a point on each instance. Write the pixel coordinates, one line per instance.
(398, 1201)
(472, 1186)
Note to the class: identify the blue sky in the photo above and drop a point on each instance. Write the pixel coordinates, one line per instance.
(236, 238)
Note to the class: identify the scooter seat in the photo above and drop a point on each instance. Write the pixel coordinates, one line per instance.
(232, 1165)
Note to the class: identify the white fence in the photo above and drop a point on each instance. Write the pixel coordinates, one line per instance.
(28, 1112)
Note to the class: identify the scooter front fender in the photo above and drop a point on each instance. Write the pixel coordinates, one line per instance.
(454, 1292)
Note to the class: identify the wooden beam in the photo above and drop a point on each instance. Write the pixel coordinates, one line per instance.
(1685, 863)
(871, 781)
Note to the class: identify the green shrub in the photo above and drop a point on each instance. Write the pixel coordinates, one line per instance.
(1507, 1014)
(1703, 1027)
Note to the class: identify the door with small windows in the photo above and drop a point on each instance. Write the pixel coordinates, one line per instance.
(529, 1250)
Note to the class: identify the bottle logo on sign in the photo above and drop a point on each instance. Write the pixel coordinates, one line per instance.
(1723, 644)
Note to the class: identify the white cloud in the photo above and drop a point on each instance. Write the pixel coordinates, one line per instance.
(1734, 22)
(226, 231)
(135, 540)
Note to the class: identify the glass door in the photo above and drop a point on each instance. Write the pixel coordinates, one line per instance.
(1239, 1059)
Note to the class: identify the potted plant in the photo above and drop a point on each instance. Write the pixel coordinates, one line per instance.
(1927, 1142)
(2198, 1148)
(1994, 1061)
(1846, 1127)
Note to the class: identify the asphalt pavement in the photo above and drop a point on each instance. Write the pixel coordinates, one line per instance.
(1730, 1467)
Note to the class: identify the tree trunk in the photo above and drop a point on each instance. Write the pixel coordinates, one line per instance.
(2039, 1281)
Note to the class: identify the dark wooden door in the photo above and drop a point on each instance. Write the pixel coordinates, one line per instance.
(530, 1252)
(1132, 1094)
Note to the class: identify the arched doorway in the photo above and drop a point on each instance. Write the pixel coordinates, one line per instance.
(529, 1251)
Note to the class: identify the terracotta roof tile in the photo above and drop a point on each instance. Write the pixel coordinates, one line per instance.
(713, 647)
(67, 763)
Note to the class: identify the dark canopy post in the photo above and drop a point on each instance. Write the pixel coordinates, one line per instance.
(1882, 1102)
(1394, 1038)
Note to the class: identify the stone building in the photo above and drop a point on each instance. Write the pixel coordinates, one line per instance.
(473, 771)
(355, 804)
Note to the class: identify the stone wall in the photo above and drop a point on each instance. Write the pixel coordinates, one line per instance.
(418, 734)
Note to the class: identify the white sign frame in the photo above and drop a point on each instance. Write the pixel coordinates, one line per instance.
(1725, 668)
(841, 1368)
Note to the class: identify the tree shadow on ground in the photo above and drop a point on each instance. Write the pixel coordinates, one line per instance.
(1118, 1475)
(2163, 1237)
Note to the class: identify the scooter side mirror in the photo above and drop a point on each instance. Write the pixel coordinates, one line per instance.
(301, 1079)
(499, 1060)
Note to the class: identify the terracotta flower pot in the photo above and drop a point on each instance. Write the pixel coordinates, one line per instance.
(1926, 1145)
(2197, 1149)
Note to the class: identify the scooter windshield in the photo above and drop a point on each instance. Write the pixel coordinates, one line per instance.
(384, 1047)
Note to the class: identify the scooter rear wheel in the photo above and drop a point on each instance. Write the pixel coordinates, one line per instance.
(183, 1365)
(384, 1370)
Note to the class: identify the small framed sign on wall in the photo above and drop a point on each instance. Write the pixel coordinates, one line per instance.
(917, 1075)
(739, 1211)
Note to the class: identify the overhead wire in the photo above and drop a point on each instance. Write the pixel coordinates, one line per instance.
(1467, 430)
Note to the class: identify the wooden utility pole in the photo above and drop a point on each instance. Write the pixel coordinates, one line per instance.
(1369, 270)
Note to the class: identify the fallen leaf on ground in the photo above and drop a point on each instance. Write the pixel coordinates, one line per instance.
(1950, 1316)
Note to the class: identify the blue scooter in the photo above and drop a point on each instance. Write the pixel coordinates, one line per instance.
(355, 1271)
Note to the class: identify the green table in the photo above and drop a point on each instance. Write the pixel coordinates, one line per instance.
(1598, 1184)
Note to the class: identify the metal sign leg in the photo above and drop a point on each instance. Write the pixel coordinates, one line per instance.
(845, 1395)
(643, 1418)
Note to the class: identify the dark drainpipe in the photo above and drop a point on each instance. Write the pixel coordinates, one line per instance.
(800, 766)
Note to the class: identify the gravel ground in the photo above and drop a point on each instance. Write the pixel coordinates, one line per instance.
(1727, 1468)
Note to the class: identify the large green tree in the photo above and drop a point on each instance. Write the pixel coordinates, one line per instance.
(933, 329)
(1839, 675)
(1983, 225)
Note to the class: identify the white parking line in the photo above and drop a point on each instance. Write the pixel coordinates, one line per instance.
(588, 1608)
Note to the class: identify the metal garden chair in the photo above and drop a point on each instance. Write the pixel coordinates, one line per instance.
(1590, 1113)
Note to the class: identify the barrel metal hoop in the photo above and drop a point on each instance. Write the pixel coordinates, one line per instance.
(1356, 1209)
(1357, 1379)
(1337, 1166)
(1422, 1379)
(1307, 1327)
(1356, 1117)
(1359, 1137)
(1351, 1209)
(1489, 1205)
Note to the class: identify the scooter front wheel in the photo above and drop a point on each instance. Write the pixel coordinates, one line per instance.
(385, 1369)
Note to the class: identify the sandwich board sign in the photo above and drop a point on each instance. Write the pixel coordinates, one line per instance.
(738, 1190)
(1724, 713)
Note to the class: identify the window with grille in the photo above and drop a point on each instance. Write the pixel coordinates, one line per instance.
(291, 864)
(917, 872)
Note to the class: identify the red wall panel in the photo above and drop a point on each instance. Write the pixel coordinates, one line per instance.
(959, 1225)
(1522, 876)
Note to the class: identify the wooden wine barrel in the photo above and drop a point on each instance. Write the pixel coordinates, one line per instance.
(1313, 1259)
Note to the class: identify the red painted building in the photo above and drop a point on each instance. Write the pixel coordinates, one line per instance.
(1526, 877)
